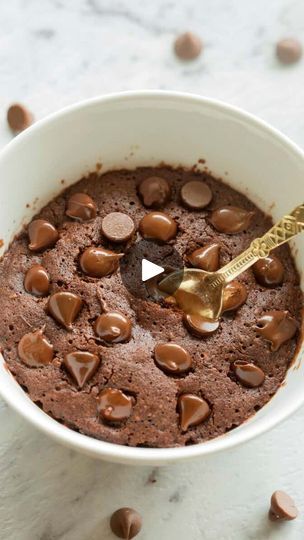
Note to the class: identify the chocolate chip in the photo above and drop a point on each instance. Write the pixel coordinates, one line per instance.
(117, 227)
(206, 258)
(269, 271)
(81, 365)
(276, 327)
(172, 358)
(42, 235)
(35, 350)
(282, 507)
(81, 207)
(154, 191)
(196, 195)
(231, 219)
(99, 262)
(37, 280)
(19, 117)
(113, 327)
(158, 226)
(126, 523)
(64, 307)
(198, 326)
(188, 46)
(114, 405)
(289, 50)
(234, 296)
(193, 410)
(248, 374)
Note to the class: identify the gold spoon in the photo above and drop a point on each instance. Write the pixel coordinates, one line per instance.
(201, 293)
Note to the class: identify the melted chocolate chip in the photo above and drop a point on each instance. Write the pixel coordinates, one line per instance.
(64, 307)
(114, 405)
(19, 117)
(206, 258)
(188, 46)
(35, 350)
(81, 365)
(193, 410)
(81, 207)
(117, 227)
(172, 358)
(276, 327)
(248, 374)
(231, 219)
(282, 507)
(113, 327)
(289, 50)
(126, 523)
(42, 235)
(154, 191)
(37, 280)
(234, 296)
(158, 226)
(198, 326)
(269, 271)
(99, 262)
(196, 195)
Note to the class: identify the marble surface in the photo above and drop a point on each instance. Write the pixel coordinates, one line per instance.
(56, 52)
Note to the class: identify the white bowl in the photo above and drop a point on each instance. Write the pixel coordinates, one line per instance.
(146, 128)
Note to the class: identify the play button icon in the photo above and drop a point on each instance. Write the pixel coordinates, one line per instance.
(150, 270)
(144, 264)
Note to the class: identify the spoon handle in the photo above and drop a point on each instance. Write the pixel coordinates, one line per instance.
(288, 227)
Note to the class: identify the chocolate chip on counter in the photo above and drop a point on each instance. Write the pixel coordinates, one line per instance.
(234, 296)
(172, 358)
(37, 280)
(158, 226)
(19, 117)
(117, 227)
(81, 365)
(198, 326)
(35, 350)
(154, 191)
(42, 235)
(248, 374)
(276, 327)
(206, 258)
(196, 194)
(193, 410)
(81, 207)
(99, 262)
(282, 507)
(126, 523)
(113, 327)
(64, 307)
(289, 50)
(114, 405)
(231, 219)
(188, 46)
(269, 271)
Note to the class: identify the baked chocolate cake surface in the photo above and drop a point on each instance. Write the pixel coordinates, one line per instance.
(125, 390)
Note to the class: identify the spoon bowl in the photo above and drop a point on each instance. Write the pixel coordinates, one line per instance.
(196, 292)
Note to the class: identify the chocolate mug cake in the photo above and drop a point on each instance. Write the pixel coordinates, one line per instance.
(101, 354)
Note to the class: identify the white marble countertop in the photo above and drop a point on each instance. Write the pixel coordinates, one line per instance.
(53, 53)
